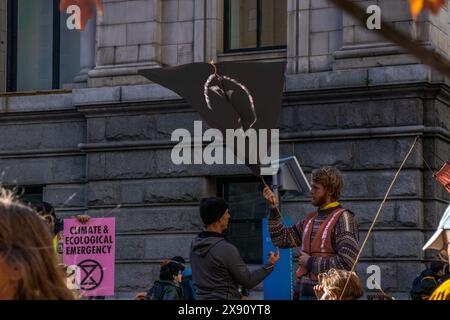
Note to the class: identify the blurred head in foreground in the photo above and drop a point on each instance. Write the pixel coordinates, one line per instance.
(28, 265)
(332, 284)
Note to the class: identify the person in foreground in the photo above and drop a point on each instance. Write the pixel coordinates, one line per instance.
(332, 283)
(28, 266)
(440, 241)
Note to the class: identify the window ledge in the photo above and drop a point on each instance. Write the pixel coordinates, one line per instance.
(261, 55)
(34, 93)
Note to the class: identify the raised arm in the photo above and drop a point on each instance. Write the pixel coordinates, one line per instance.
(281, 235)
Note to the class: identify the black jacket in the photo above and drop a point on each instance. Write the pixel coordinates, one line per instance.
(424, 285)
(218, 268)
(164, 290)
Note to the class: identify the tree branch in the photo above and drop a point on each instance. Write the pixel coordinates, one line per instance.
(426, 56)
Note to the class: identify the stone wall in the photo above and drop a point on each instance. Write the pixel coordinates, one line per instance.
(150, 33)
(367, 137)
(105, 150)
(108, 150)
(322, 35)
(128, 37)
(177, 32)
(366, 134)
(362, 47)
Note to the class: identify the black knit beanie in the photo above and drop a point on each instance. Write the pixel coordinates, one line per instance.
(212, 209)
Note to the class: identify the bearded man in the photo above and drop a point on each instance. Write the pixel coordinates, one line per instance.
(328, 237)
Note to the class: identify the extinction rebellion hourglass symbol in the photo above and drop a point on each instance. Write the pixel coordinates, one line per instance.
(91, 275)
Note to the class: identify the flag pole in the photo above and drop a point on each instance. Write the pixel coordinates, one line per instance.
(279, 213)
(378, 214)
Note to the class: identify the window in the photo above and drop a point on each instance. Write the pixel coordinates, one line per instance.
(42, 52)
(247, 208)
(255, 24)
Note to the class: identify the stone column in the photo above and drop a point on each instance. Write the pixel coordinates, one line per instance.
(214, 29)
(128, 38)
(178, 29)
(208, 29)
(87, 54)
(199, 30)
(364, 48)
(3, 37)
(294, 25)
(314, 34)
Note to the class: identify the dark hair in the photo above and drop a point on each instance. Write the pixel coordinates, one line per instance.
(179, 259)
(169, 270)
(212, 209)
(437, 266)
(45, 208)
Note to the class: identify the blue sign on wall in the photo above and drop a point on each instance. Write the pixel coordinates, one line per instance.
(279, 285)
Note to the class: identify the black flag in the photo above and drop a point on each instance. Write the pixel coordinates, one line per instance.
(228, 95)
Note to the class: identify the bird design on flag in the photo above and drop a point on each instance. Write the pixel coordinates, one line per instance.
(417, 6)
(86, 8)
(216, 84)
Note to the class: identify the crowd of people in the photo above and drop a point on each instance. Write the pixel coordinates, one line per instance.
(31, 247)
(429, 279)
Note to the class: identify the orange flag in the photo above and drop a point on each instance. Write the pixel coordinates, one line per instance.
(417, 6)
(443, 176)
(86, 8)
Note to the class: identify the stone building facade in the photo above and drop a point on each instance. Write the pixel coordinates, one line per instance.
(102, 146)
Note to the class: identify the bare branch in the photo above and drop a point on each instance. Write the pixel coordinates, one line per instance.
(426, 56)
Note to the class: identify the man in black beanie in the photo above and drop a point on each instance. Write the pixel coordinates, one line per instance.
(217, 267)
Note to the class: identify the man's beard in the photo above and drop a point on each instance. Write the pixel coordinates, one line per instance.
(320, 202)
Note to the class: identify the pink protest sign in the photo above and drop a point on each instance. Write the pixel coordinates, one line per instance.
(91, 248)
